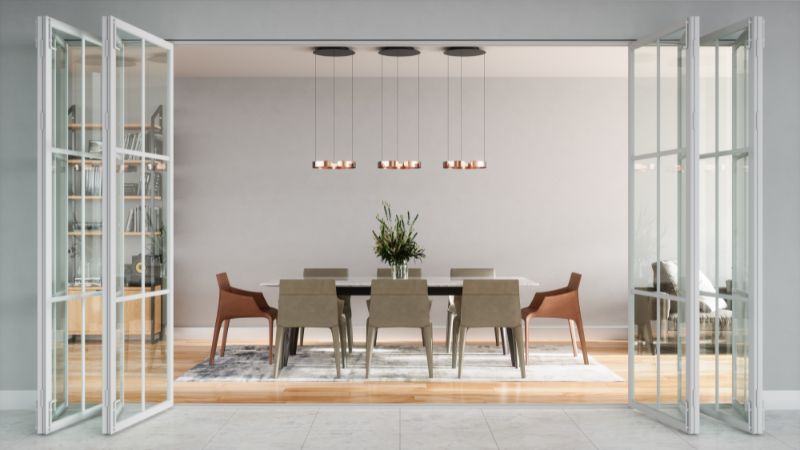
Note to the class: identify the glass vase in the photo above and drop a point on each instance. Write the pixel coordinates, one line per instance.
(400, 271)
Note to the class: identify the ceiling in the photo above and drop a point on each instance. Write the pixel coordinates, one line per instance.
(260, 60)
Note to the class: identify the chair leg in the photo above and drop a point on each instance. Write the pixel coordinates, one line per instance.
(448, 331)
(572, 338)
(348, 314)
(497, 338)
(527, 325)
(224, 337)
(502, 338)
(337, 350)
(462, 333)
(579, 323)
(427, 340)
(300, 336)
(217, 326)
(370, 344)
(454, 340)
(270, 341)
(276, 366)
(375, 338)
(520, 357)
(342, 341)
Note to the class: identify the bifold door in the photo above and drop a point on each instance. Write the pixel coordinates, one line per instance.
(71, 227)
(105, 225)
(137, 93)
(730, 226)
(662, 310)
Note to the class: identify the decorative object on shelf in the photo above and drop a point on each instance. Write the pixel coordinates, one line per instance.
(397, 163)
(396, 241)
(334, 164)
(461, 163)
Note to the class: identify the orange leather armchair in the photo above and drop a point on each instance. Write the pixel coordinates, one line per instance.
(237, 304)
(560, 304)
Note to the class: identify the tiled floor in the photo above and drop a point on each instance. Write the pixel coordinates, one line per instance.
(390, 427)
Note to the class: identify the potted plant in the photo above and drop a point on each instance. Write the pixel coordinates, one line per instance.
(396, 241)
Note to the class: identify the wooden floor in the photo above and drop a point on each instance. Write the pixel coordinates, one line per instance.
(612, 354)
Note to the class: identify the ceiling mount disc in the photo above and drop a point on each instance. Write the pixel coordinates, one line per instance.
(334, 52)
(464, 52)
(398, 52)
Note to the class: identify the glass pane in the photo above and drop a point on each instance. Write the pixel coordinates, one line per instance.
(671, 219)
(707, 190)
(672, 360)
(740, 225)
(155, 218)
(707, 96)
(645, 102)
(65, 240)
(129, 332)
(670, 88)
(67, 102)
(725, 98)
(156, 356)
(94, 350)
(93, 138)
(130, 222)
(60, 361)
(725, 222)
(644, 222)
(130, 115)
(646, 329)
(156, 97)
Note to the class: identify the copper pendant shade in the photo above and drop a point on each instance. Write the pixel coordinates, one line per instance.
(397, 163)
(334, 164)
(461, 163)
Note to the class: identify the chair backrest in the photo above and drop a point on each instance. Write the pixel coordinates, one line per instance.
(335, 273)
(490, 303)
(223, 282)
(399, 303)
(574, 281)
(471, 273)
(308, 303)
(386, 272)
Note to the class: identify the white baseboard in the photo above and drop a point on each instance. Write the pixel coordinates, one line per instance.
(548, 333)
(774, 400)
(17, 400)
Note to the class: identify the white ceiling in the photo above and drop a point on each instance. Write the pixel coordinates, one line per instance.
(275, 60)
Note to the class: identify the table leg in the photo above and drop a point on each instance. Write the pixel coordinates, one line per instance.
(512, 346)
(294, 335)
(285, 352)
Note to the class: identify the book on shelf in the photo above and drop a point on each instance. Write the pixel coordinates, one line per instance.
(152, 218)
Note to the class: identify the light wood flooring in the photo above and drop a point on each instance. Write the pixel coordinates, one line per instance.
(613, 354)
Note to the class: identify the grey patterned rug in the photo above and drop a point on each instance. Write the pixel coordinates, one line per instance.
(400, 363)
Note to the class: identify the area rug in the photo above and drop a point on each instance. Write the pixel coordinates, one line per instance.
(400, 363)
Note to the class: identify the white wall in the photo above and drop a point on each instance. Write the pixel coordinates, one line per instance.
(553, 200)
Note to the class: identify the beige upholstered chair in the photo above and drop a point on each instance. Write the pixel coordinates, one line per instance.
(310, 303)
(385, 272)
(453, 301)
(489, 303)
(400, 304)
(335, 274)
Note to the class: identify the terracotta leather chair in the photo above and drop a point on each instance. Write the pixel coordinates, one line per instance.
(453, 301)
(237, 304)
(312, 304)
(335, 274)
(559, 304)
(400, 304)
(386, 272)
(488, 304)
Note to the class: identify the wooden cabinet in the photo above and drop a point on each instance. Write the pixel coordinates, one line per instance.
(153, 321)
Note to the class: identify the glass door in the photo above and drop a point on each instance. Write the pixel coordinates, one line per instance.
(730, 239)
(662, 361)
(138, 107)
(71, 226)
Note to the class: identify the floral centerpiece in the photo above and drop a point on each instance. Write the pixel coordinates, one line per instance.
(396, 241)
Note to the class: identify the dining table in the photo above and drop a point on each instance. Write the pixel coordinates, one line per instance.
(437, 286)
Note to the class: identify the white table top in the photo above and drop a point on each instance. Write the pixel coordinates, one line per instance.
(432, 281)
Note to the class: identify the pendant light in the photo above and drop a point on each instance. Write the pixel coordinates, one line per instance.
(397, 163)
(334, 164)
(461, 163)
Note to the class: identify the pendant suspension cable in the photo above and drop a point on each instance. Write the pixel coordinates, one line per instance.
(352, 105)
(333, 107)
(397, 110)
(448, 108)
(315, 107)
(419, 95)
(484, 107)
(381, 107)
(461, 109)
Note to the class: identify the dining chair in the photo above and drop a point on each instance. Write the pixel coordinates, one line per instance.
(336, 274)
(453, 301)
(488, 304)
(386, 272)
(400, 304)
(559, 304)
(236, 303)
(310, 304)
